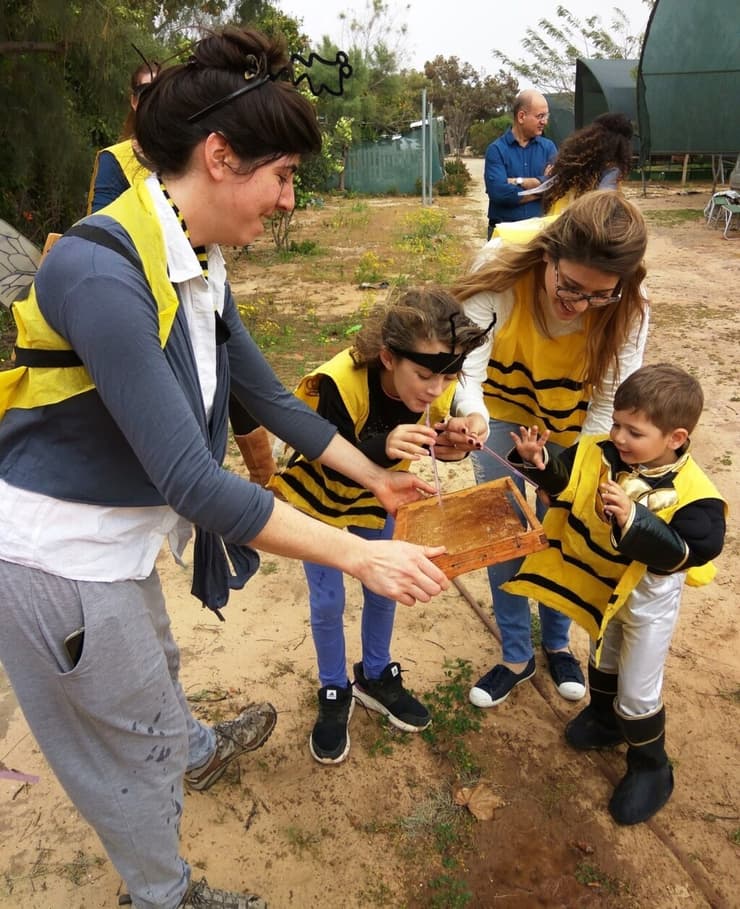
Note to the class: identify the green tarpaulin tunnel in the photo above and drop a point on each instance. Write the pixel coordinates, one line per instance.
(688, 81)
(604, 86)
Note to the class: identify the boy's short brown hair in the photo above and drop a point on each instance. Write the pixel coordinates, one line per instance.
(668, 396)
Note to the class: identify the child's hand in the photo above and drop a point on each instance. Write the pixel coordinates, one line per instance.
(459, 435)
(409, 442)
(617, 504)
(530, 445)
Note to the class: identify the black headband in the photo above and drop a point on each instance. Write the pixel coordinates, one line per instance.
(255, 79)
(252, 82)
(439, 363)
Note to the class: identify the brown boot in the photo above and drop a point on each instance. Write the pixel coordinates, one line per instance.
(257, 454)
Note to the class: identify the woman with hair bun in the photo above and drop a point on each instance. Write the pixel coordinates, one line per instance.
(113, 429)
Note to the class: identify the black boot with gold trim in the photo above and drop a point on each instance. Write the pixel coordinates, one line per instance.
(596, 726)
(648, 783)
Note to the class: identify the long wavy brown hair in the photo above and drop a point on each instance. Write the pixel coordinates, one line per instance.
(601, 230)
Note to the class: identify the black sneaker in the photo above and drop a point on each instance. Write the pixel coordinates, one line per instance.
(329, 741)
(388, 696)
(497, 684)
(566, 673)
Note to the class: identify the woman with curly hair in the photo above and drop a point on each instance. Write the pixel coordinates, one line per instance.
(595, 157)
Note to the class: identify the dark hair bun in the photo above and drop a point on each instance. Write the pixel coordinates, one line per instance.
(241, 50)
(615, 123)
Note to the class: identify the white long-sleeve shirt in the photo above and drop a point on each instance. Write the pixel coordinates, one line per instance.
(482, 307)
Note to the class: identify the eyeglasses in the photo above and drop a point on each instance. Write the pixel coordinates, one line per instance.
(576, 296)
(542, 118)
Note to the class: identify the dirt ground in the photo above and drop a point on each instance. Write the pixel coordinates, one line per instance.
(371, 831)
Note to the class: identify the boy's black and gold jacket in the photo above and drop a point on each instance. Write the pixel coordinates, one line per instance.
(591, 566)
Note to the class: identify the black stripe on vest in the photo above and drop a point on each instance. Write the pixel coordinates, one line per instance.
(56, 359)
(564, 592)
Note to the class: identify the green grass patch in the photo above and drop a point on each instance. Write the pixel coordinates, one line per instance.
(672, 217)
(447, 892)
(7, 337)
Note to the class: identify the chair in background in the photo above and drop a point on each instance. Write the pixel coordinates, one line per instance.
(718, 209)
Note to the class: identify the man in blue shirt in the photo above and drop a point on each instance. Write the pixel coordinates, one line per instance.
(517, 161)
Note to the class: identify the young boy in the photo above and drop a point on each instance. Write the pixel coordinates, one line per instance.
(632, 517)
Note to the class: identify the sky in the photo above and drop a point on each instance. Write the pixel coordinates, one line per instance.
(457, 27)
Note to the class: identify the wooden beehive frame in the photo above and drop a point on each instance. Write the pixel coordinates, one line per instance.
(479, 526)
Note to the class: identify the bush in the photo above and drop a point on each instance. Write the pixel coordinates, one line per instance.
(482, 134)
(456, 179)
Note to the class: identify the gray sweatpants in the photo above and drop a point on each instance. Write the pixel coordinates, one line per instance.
(116, 729)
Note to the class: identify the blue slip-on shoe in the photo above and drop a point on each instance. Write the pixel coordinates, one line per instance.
(497, 685)
(566, 673)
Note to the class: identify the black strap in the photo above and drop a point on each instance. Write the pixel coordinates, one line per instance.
(33, 356)
(105, 238)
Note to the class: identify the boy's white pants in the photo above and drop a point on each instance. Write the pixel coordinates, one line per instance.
(637, 639)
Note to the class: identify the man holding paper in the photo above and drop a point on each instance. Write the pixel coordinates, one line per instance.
(519, 161)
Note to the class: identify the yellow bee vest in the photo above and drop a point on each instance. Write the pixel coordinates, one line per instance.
(522, 232)
(133, 170)
(322, 492)
(36, 386)
(532, 379)
(581, 574)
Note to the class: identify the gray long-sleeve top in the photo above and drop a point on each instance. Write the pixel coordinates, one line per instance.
(137, 439)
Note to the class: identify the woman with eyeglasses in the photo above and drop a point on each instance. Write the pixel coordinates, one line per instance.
(113, 430)
(571, 324)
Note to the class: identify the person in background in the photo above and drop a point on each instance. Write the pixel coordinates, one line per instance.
(599, 156)
(119, 166)
(113, 429)
(519, 160)
(571, 322)
(636, 518)
(389, 395)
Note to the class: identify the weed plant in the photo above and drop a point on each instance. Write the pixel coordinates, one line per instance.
(452, 718)
(7, 337)
(448, 892)
(591, 876)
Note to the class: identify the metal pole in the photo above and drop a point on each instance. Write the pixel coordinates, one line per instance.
(423, 147)
(431, 152)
